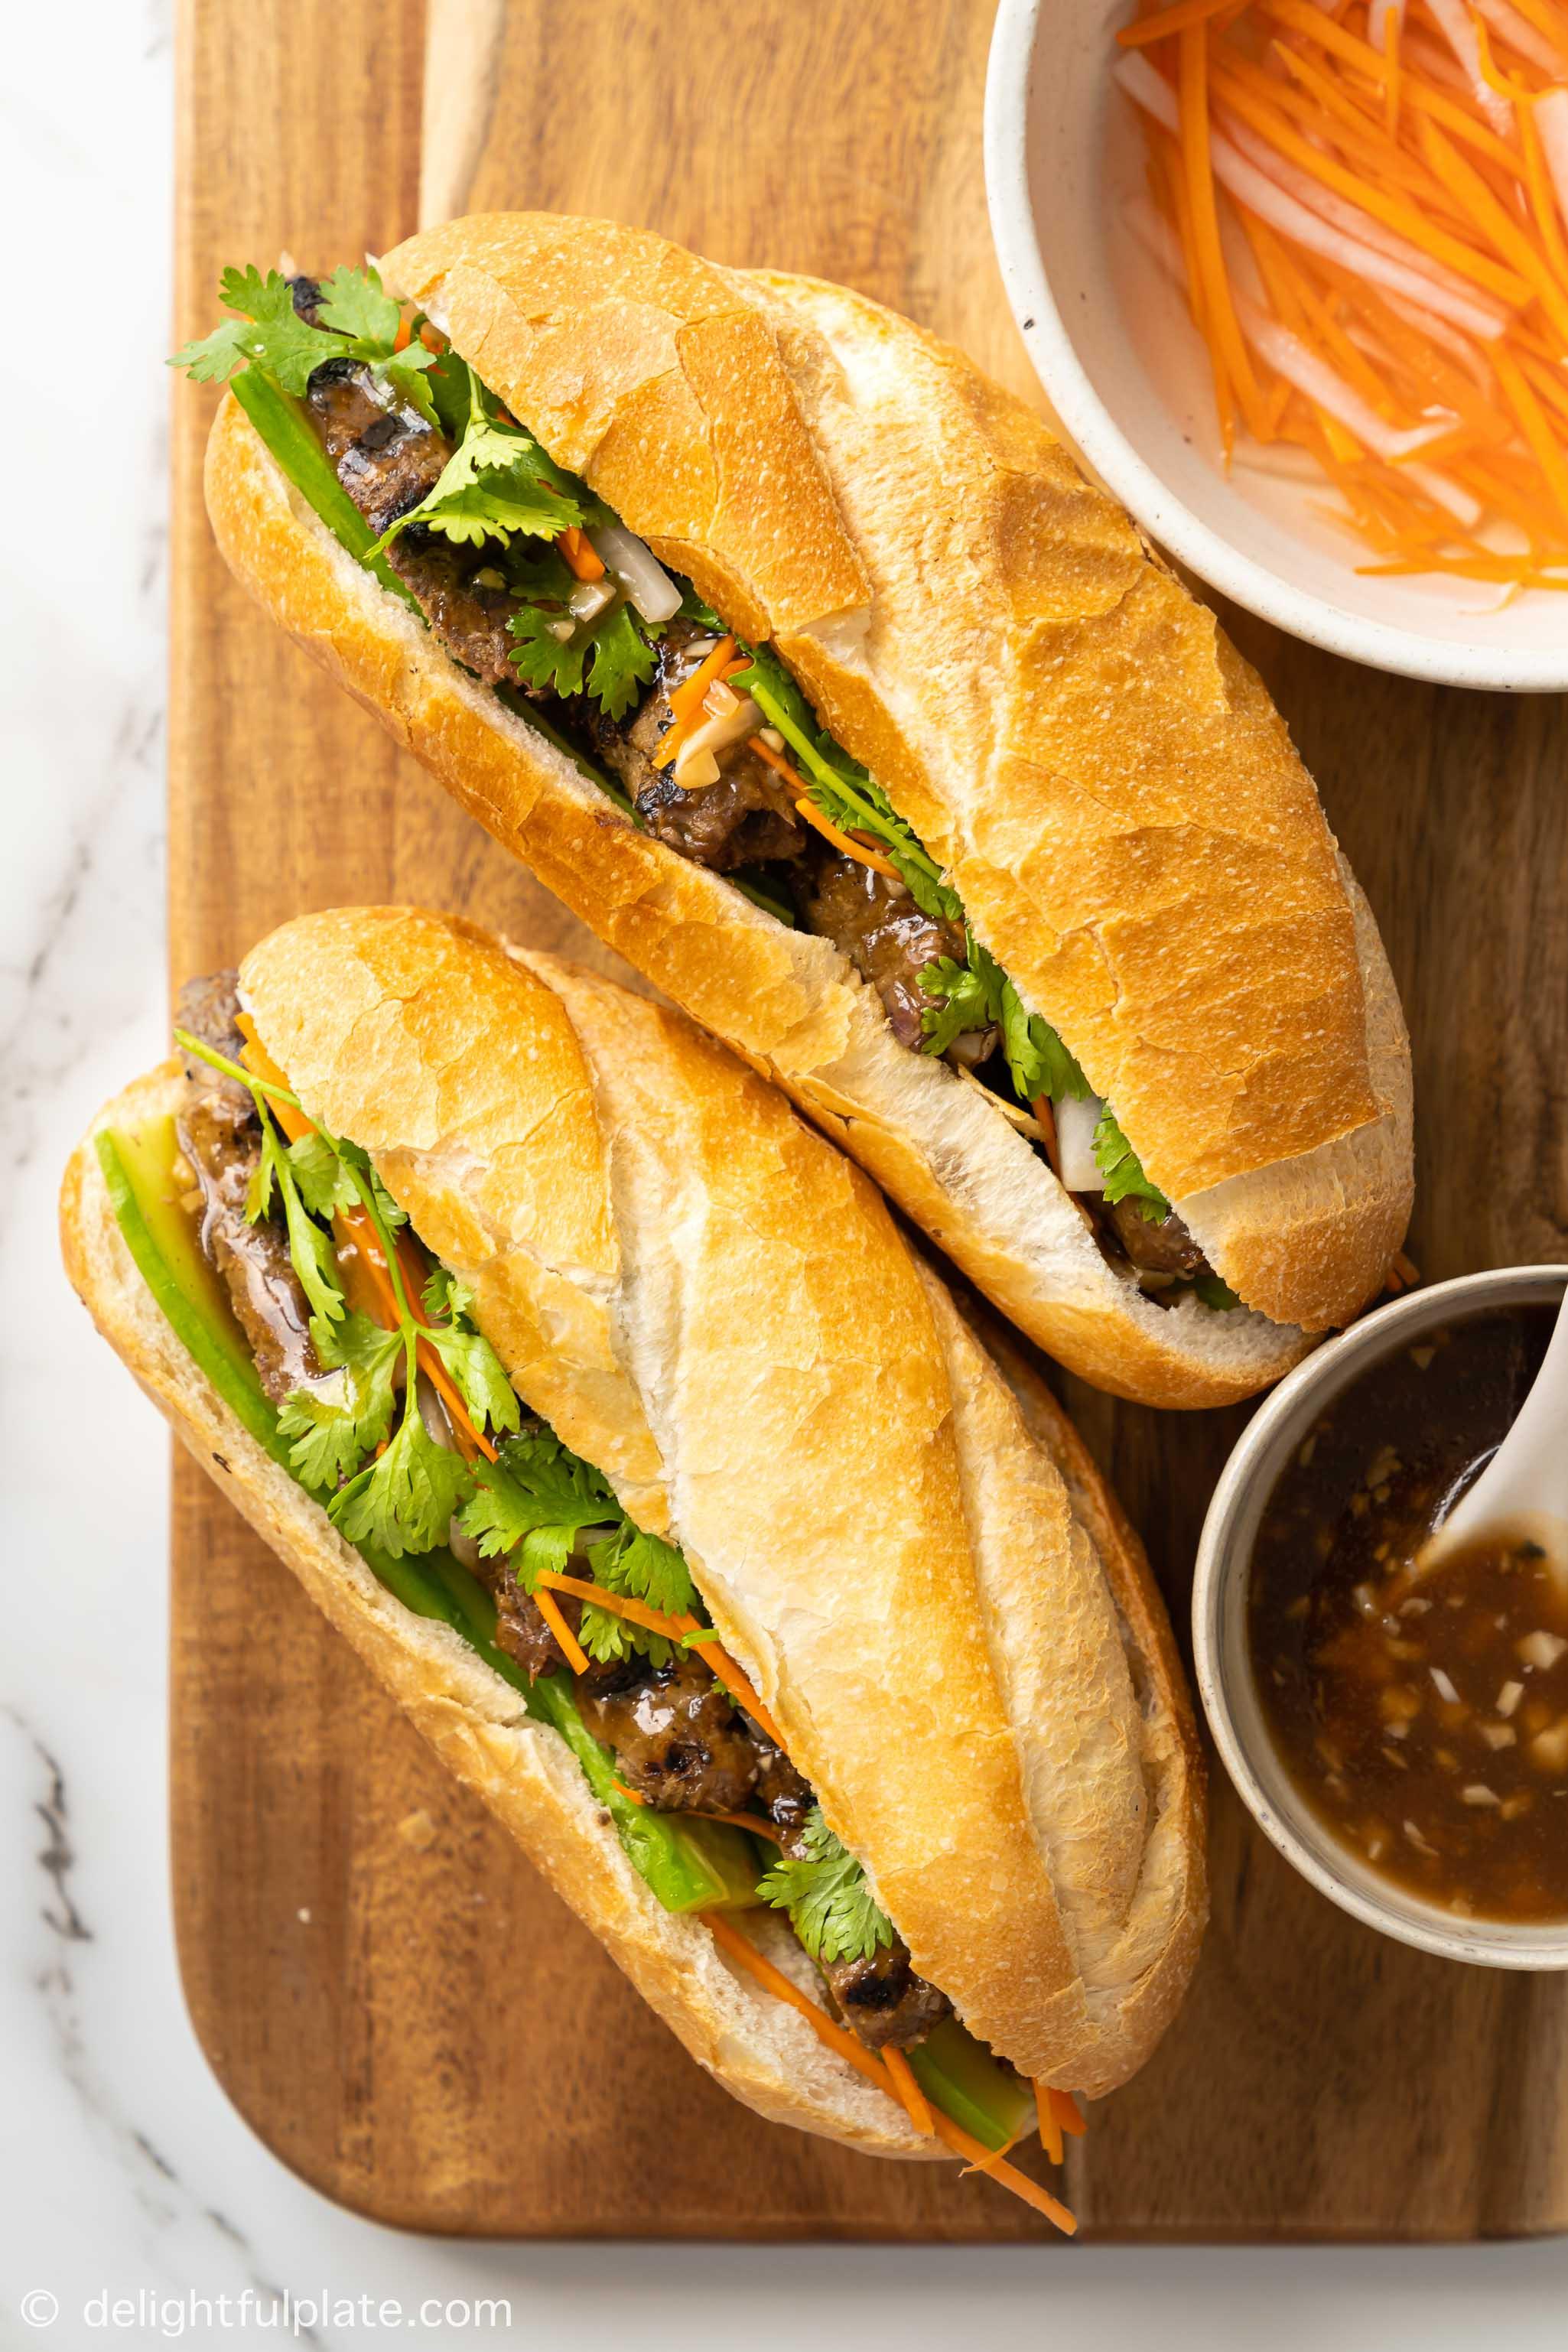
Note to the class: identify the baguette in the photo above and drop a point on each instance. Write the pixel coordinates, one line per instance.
(908, 1553)
(1098, 772)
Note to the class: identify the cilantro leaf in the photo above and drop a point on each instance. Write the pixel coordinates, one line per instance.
(609, 1640)
(477, 1373)
(353, 302)
(338, 1421)
(1039, 1062)
(535, 1484)
(543, 658)
(405, 1500)
(309, 1247)
(623, 661)
(276, 338)
(831, 1907)
(1123, 1172)
(645, 1568)
(497, 481)
(444, 1296)
(1214, 1293)
(325, 1184)
(970, 999)
(622, 657)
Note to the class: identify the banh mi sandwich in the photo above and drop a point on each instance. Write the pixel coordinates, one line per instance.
(801, 662)
(601, 1404)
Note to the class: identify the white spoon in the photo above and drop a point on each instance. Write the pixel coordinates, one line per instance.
(1522, 1493)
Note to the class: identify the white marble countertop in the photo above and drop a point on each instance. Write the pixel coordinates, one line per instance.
(125, 2178)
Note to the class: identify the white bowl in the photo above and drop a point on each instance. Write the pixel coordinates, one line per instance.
(1221, 1653)
(1128, 377)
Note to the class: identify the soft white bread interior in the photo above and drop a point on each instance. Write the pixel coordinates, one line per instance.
(707, 1300)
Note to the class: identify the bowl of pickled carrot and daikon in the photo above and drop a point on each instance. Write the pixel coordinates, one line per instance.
(1294, 278)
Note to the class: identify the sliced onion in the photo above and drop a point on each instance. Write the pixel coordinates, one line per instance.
(1290, 358)
(1519, 30)
(1378, 12)
(1262, 194)
(1361, 225)
(698, 753)
(1448, 338)
(1076, 1123)
(589, 598)
(1551, 121)
(1154, 231)
(1454, 22)
(647, 585)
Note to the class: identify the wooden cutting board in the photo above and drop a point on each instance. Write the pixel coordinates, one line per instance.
(388, 1994)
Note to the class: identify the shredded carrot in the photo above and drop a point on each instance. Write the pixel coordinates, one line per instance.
(355, 1226)
(674, 1628)
(1166, 21)
(630, 1794)
(582, 559)
(742, 1949)
(1049, 2121)
(1069, 2115)
(844, 841)
(1193, 105)
(685, 702)
(754, 1825)
(916, 2104)
(566, 1641)
(1467, 356)
(985, 2160)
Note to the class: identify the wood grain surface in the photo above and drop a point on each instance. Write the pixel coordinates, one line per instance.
(386, 1992)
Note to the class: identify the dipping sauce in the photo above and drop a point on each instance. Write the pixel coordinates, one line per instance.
(1425, 1719)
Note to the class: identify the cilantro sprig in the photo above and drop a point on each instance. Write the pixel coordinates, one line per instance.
(358, 321)
(1123, 1172)
(539, 1502)
(403, 1496)
(830, 1903)
(497, 483)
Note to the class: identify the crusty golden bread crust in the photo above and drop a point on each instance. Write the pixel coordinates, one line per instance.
(786, 999)
(756, 2046)
(864, 1511)
(745, 1344)
(1119, 803)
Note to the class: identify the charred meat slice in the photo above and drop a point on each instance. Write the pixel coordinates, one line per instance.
(385, 456)
(220, 1135)
(883, 2000)
(882, 931)
(520, 1628)
(679, 1741)
(388, 459)
(781, 1791)
(1166, 1249)
(747, 818)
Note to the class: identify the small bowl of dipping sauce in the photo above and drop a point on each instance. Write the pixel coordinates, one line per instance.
(1401, 1736)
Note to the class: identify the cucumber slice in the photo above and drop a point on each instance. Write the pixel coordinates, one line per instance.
(690, 1866)
(959, 2076)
